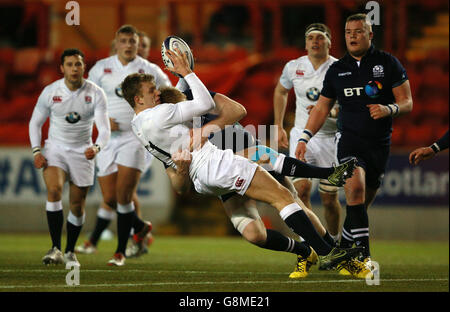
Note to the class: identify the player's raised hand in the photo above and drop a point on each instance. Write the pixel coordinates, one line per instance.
(282, 138)
(419, 154)
(300, 151)
(378, 111)
(179, 61)
(40, 161)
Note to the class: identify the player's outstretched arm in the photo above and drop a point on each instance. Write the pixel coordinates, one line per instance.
(427, 152)
(280, 97)
(103, 126)
(179, 178)
(35, 132)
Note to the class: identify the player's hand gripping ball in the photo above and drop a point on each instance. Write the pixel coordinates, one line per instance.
(171, 43)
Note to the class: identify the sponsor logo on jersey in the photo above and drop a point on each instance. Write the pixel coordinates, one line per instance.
(313, 94)
(373, 89)
(353, 91)
(107, 70)
(141, 71)
(118, 91)
(344, 74)
(239, 182)
(88, 99)
(300, 72)
(73, 117)
(57, 99)
(378, 71)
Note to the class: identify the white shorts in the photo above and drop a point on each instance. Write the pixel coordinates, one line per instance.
(122, 149)
(80, 170)
(223, 173)
(321, 152)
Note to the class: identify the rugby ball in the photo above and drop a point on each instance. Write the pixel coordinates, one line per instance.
(172, 42)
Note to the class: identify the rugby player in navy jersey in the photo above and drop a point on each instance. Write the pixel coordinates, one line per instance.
(372, 88)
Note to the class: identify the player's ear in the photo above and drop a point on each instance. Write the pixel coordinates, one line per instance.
(137, 100)
(61, 67)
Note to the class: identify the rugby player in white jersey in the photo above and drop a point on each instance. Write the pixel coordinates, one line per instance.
(105, 213)
(164, 129)
(73, 105)
(306, 75)
(122, 161)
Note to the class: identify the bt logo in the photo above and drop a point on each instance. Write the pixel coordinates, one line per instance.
(372, 89)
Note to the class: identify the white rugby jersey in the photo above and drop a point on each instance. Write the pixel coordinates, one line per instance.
(164, 129)
(307, 83)
(72, 115)
(109, 73)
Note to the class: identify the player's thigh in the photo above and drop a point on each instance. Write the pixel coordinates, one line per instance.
(108, 187)
(127, 181)
(54, 178)
(265, 188)
(77, 198)
(355, 187)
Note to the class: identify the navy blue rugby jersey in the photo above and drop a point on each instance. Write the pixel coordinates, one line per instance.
(356, 86)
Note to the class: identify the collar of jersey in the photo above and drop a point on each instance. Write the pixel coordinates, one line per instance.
(350, 59)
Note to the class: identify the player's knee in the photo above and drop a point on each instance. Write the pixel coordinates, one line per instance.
(255, 234)
(303, 190)
(54, 192)
(110, 201)
(330, 201)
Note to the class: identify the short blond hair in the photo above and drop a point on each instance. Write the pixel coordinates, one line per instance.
(171, 95)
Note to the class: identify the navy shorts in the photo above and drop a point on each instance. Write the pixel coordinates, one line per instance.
(372, 157)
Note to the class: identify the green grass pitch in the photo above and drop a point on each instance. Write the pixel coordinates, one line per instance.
(215, 264)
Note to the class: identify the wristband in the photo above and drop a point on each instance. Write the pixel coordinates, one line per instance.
(435, 148)
(394, 109)
(305, 136)
(36, 150)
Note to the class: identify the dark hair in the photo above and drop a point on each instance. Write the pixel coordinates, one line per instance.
(131, 86)
(70, 52)
(319, 26)
(127, 29)
(171, 95)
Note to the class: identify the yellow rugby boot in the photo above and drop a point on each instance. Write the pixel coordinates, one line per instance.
(355, 268)
(304, 264)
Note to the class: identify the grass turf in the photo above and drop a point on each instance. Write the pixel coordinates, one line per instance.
(215, 264)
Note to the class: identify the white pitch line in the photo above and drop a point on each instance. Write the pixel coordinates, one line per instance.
(50, 270)
(217, 283)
